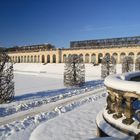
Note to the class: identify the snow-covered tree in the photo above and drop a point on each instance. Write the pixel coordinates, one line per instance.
(127, 64)
(108, 66)
(74, 72)
(6, 78)
(137, 64)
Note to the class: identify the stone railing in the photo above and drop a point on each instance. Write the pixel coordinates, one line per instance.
(123, 102)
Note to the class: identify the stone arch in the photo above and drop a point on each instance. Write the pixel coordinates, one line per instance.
(43, 59)
(122, 55)
(87, 58)
(64, 57)
(115, 55)
(93, 58)
(81, 56)
(54, 58)
(48, 58)
(100, 57)
(35, 59)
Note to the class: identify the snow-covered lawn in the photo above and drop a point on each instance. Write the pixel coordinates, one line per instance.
(78, 124)
(43, 107)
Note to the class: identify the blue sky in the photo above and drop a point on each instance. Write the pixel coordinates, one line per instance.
(25, 22)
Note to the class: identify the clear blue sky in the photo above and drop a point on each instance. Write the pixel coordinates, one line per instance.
(24, 22)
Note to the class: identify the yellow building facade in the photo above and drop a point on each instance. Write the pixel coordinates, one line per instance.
(89, 55)
(92, 51)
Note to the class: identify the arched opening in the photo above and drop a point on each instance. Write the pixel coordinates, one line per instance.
(138, 54)
(122, 55)
(115, 55)
(31, 59)
(81, 57)
(13, 59)
(24, 59)
(43, 59)
(38, 59)
(64, 58)
(18, 59)
(35, 59)
(131, 54)
(48, 58)
(93, 58)
(21, 59)
(54, 58)
(100, 57)
(87, 58)
(28, 59)
(107, 54)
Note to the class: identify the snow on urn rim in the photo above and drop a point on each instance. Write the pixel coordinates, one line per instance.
(122, 82)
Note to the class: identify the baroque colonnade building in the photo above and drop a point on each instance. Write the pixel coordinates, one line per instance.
(92, 51)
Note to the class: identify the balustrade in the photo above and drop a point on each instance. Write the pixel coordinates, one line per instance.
(120, 104)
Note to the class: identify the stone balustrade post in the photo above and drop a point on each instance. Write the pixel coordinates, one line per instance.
(119, 109)
(128, 111)
(110, 102)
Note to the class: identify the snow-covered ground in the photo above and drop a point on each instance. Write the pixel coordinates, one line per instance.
(44, 109)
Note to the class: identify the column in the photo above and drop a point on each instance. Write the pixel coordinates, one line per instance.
(111, 102)
(119, 108)
(128, 112)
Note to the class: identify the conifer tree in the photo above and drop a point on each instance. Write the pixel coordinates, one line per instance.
(6, 78)
(127, 64)
(108, 66)
(74, 72)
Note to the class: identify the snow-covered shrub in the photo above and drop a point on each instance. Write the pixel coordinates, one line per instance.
(127, 64)
(108, 66)
(74, 72)
(6, 78)
(137, 64)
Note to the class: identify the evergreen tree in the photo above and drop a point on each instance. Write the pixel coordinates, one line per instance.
(137, 64)
(127, 64)
(6, 78)
(74, 72)
(108, 66)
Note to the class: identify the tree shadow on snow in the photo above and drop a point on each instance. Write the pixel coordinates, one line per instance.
(51, 93)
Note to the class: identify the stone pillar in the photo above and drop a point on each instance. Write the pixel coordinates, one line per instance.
(119, 59)
(51, 58)
(96, 58)
(119, 108)
(89, 58)
(135, 57)
(128, 112)
(111, 102)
